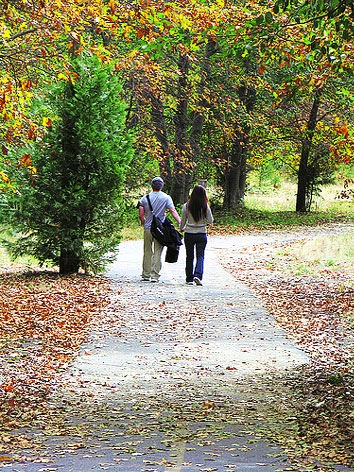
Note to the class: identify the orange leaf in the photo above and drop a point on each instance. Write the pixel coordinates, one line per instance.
(31, 133)
(25, 160)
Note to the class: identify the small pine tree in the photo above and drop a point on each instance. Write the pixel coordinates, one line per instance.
(72, 213)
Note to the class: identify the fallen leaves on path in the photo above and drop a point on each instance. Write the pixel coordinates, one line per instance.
(317, 311)
(43, 322)
(46, 318)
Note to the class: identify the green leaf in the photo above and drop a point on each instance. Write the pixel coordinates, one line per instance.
(268, 17)
(259, 19)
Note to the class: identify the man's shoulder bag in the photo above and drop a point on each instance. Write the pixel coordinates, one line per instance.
(158, 227)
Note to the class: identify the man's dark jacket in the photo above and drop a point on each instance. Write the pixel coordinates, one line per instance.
(173, 241)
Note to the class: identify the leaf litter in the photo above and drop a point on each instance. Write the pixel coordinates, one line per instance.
(315, 306)
(46, 318)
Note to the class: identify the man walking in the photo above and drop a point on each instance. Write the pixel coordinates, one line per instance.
(160, 203)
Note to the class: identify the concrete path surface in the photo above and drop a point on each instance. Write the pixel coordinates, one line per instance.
(226, 326)
(167, 384)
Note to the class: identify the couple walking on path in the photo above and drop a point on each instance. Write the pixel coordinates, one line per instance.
(196, 215)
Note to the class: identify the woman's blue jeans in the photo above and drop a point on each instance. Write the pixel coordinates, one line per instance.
(195, 245)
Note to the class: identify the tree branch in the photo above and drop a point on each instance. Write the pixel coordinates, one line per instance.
(22, 33)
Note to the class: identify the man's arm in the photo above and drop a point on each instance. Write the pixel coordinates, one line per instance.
(175, 215)
(142, 215)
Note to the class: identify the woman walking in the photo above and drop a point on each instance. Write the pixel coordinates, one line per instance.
(196, 215)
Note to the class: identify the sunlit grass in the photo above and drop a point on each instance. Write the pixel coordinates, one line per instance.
(274, 208)
(5, 259)
(3, 256)
(319, 254)
(329, 251)
(283, 198)
(132, 231)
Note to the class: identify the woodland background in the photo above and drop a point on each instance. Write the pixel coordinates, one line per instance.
(211, 89)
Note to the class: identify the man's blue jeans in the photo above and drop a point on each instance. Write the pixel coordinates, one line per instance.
(194, 244)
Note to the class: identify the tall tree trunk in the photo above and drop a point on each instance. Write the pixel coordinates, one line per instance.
(180, 188)
(202, 103)
(161, 133)
(236, 173)
(303, 172)
(235, 176)
(177, 156)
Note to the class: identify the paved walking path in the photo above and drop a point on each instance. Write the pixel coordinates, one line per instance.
(168, 383)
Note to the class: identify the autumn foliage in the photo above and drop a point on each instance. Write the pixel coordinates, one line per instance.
(186, 65)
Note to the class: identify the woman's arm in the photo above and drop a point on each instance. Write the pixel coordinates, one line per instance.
(209, 216)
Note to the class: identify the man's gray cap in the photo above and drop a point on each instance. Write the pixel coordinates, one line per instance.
(157, 183)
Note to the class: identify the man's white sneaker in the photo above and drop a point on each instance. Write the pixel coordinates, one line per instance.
(197, 281)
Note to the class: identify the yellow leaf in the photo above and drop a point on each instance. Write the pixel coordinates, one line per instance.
(4, 177)
(62, 76)
(133, 53)
(47, 122)
(6, 34)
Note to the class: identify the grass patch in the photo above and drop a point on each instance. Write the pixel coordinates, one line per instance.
(259, 220)
(309, 257)
(275, 209)
(283, 198)
(132, 231)
(20, 261)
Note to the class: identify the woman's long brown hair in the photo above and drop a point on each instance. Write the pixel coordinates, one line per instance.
(198, 203)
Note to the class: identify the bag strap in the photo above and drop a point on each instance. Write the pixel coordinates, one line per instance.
(148, 199)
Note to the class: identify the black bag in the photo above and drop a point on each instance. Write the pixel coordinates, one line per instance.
(158, 229)
(163, 231)
(157, 226)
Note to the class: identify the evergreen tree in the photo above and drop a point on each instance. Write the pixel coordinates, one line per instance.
(72, 213)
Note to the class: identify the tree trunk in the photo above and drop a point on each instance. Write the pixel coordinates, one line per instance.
(235, 177)
(303, 173)
(179, 187)
(177, 156)
(202, 103)
(236, 173)
(157, 114)
(69, 262)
